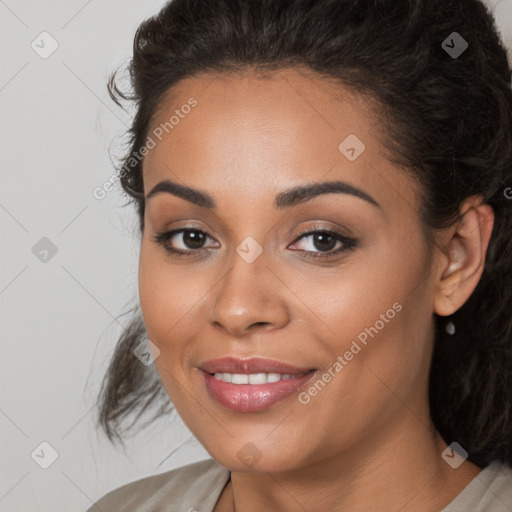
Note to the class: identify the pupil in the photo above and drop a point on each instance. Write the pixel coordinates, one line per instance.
(194, 239)
(320, 240)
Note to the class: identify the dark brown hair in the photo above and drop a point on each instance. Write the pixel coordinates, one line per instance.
(448, 122)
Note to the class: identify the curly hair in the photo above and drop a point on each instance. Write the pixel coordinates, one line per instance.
(448, 123)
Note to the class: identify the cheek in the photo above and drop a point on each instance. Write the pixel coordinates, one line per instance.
(150, 293)
(170, 298)
(165, 301)
(346, 302)
(379, 315)
(160, 295)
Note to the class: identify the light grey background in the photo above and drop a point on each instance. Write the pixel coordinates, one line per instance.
(57, 318)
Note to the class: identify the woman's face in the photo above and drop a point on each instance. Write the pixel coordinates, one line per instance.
(358, 320)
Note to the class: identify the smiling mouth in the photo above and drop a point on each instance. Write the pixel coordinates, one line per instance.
(252, 384)
(254, 392)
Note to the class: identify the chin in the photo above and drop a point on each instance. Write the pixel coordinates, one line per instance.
(250, 459)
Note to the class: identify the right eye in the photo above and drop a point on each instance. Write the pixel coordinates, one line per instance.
(192, 240)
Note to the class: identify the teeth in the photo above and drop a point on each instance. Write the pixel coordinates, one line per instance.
(239, 378)
(255, 378)
(258, 378)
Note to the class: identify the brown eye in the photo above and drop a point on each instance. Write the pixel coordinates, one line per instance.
(192, 240)
(322, 243)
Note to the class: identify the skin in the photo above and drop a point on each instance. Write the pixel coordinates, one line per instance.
(366, 440)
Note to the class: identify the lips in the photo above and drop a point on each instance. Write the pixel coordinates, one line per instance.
(248, 397)
(252, 365)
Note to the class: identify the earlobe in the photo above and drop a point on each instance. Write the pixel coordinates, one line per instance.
(465, 251)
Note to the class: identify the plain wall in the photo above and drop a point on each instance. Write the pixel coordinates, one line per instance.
(59, 318)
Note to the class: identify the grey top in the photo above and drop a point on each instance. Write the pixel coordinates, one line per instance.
(197, 487)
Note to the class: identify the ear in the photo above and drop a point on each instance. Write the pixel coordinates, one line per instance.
(462, 257)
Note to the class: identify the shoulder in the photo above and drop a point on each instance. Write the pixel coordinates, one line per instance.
(498, 483)
(184, 488)
(489, 491)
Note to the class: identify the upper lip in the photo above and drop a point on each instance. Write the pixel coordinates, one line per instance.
(250, 365)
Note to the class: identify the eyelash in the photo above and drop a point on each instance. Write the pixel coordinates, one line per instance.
(348, 243)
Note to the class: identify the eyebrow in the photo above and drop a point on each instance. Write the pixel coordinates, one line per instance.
(286, 199)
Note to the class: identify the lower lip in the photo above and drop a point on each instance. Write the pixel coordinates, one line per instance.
(252, 397)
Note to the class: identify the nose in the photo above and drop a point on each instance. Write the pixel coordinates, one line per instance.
(249, 297)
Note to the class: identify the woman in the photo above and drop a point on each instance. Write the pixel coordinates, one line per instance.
(325, 275)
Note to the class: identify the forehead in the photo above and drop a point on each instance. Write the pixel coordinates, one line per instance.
(288, 101)
(251, 85)
(253, 132)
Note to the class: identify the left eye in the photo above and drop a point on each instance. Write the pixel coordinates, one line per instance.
(323, 241)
